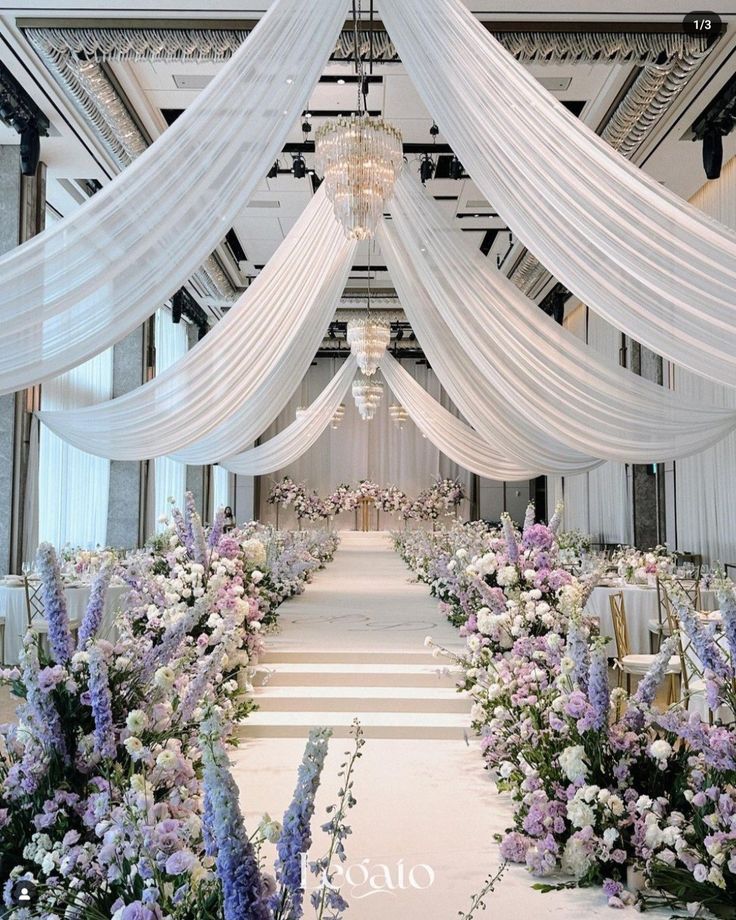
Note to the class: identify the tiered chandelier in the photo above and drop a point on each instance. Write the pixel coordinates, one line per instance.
(368, 338)
(359, 157)
(398, 414)
(337, 416)
(367, 393)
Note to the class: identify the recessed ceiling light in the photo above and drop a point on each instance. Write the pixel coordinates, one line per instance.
(341, 82)
(289, 81)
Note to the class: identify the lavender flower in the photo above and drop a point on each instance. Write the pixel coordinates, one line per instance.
(96, 605)
(598, 691)
(217, 526)
(237, 865)
(101, 702)
(647, 688)
(39, 708)
(54, 601)
(578, 649)
(529, 517)
(296, 837)
(197, 688)
(512, 547)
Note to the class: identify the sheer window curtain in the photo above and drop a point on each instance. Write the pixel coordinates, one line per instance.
(220, 483)
(73, 486)
(170, 476)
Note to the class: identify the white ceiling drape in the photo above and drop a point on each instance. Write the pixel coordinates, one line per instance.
(641, 257)
(296, 439)
(454, 437)
(552, 382)
(86, 282)
(226, 391)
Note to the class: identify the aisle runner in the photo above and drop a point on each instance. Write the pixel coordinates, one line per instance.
(352, 644)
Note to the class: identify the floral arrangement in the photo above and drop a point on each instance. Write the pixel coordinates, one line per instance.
(391, 500)
(608, 789)
(450, 492)
(573, 547)
(637, 567)
(342, 499)
(115, 794)
(310, 506)
(286, 492)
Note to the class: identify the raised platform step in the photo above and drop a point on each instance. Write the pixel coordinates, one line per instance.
(290, 655)
(361, 699)
(352, 675)
(395, 725)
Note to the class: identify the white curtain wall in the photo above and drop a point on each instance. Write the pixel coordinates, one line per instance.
(73, 486)
(597, 502)
(220, 482)
(705, 485)
(170, 475)
(376, 450)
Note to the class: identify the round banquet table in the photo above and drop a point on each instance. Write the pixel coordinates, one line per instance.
(640, 602)
(13, 606)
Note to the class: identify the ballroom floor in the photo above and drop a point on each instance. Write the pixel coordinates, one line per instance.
(352, 644)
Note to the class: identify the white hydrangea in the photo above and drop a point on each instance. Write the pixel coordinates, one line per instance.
(572, 762)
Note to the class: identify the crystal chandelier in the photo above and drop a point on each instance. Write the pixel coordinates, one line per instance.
(367, 394)
(338, 415)
(360, 158)
(368, 338)
(398, 414)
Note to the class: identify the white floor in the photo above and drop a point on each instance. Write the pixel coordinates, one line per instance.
(353, 645)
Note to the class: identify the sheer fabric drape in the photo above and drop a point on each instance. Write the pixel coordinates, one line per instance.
(92, 278)
(553, 383)
(170, 476)
(73, 486)
(637, 254)
(220, 488)
(219, 397)
(288, 445)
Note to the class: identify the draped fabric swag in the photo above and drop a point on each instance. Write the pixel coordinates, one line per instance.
(552, 382)
(646, 261)
(86, 282)
(288, 445)
(220, 397)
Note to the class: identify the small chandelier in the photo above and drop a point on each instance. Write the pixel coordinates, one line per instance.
(360, 158)
(398, 414)
(338, 415)
(367, 394)
(368, 339)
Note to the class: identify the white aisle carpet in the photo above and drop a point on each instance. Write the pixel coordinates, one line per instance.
(352, 644)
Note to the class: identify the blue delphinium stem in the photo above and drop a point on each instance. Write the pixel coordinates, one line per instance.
(701, 639)
(512, 547)
(727, 603)
(217, 526)
(101, 702)
(647, 689)
(195, 531)
(236, 860)
(556, 519)
(181, 529)
(529, 517)
(96, 606)
(54, 601)
(598, 690)
(40, 707)
(578, 650)
(296, 837)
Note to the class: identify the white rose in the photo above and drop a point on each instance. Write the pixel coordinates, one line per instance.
(660, 750)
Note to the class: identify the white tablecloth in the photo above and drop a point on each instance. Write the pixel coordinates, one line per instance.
(640, 602)
(13, 606)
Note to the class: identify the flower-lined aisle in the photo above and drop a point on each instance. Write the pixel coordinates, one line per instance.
(116, 796)
(608, 789)
(443, 497)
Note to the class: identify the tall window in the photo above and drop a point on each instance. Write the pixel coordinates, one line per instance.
(170, 475)
(73, 487)
(220, 488)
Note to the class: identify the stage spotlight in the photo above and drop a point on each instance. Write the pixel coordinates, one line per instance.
(713, 153)
(273, 171)
(426, 168)
(456, 170)
(300, 167)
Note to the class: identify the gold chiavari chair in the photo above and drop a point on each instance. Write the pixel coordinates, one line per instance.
(627, 662)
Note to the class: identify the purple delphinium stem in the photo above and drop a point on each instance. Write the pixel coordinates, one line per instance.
(512, 547)
(195, 531)
(181, 528)
(40, 706)
(727, 603)
(198, 687)
(578, 649)
(296, 836)
(556, 519)
(101, 702)
(96, 605)
(54, 602)
(165, 650)
(236, 861)
(216, 530)
(701, 639)
(647, 689)
(529, 517)
(598, 690)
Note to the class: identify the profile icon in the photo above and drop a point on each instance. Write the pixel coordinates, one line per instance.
(23, 892)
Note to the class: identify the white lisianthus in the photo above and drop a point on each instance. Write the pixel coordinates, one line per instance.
(134, 746)
(477, 713)
(572, 762)
(137, 721)
(166, 760)
(661, 751)
(580, 813)
(164, 678)
(473, 643)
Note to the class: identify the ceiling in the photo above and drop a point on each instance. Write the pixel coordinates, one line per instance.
(152, 91)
